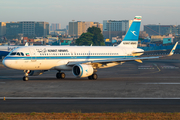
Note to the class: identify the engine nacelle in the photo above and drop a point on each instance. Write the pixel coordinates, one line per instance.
(82, 70)
(36, 72)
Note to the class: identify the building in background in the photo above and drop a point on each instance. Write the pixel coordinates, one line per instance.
(168, 39)
(95, 24)
(157, 38)
(27, 29)
(114, 28)
(178, 27)
(14, 30)
(161, 29)
(2, 28)
(76, 28)
(41, 29)
(79, 27)
(59, 32)
(67, 29)
(55, 26)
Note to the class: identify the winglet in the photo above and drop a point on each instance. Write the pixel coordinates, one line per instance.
(172, 51)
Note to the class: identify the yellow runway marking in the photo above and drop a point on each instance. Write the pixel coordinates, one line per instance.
(155, 71)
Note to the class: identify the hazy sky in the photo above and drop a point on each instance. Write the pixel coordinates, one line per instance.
(64, 11)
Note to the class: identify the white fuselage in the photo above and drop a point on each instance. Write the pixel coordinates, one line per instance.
(57, 57)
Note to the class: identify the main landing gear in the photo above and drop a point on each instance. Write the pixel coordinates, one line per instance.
(60, 75)
(26, 72)
(93, 77)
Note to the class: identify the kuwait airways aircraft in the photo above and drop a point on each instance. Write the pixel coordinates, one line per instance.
(83, 61)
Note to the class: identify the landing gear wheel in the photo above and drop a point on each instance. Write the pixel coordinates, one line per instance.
(60, 75)
(63, 75)
(90, 77)
(25, 78)
(26, 73)
(94, 76)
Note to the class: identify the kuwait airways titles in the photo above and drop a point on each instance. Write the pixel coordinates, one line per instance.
(51, 50)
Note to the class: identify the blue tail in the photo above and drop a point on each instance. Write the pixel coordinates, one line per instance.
(131, 37)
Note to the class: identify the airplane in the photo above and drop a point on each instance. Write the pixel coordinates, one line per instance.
(83, 61)
(5, 50)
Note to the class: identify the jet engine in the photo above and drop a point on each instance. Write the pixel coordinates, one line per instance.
(82, 70)
(36, 72)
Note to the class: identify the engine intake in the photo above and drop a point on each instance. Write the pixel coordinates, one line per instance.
(82, 70)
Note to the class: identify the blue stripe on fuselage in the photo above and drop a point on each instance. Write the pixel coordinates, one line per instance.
(61, 57)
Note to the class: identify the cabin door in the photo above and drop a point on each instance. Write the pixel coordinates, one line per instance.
(33, 55)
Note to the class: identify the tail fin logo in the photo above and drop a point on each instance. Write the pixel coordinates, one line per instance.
(133, 32)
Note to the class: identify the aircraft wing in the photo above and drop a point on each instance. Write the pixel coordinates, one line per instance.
(106, 61)
(119, 60)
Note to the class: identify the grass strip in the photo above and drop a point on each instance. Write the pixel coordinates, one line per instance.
(89, 116)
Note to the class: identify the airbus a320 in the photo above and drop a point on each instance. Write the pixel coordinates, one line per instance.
(83, 61)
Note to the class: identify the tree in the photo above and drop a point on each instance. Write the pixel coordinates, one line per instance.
(85, 39)
(98, 38)
(93, 36)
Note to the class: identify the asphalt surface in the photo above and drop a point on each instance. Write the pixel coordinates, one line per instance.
(149, 87)
(91, 105)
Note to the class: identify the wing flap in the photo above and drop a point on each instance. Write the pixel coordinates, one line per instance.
(71, 63)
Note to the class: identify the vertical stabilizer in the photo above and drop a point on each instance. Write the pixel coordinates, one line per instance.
(132, 35)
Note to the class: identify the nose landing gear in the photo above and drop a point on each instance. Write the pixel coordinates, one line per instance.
(26, 72)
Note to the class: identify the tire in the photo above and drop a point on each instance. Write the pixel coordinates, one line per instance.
(58, 75)
(90, 77)
(62, 75)
(25, 78)
(94, 76)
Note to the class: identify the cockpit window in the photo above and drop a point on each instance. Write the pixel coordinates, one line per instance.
(13, 53)
(17, 53)
(22, 54)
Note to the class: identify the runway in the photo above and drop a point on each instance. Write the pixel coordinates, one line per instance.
(91, 105)
(149, 87)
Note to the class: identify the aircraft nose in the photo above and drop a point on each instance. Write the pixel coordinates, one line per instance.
(6, 63)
